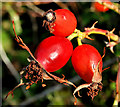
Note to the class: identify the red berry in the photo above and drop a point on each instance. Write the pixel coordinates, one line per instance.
(54, 52)
(62, 22)
(101, 8)
(85, 59)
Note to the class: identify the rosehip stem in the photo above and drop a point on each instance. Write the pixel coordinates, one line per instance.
(79, 41)
(93, 30)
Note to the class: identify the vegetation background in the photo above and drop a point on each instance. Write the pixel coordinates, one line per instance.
(29, 27)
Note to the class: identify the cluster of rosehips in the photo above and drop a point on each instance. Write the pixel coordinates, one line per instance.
(55, 51)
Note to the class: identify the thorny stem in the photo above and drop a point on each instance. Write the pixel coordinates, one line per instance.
(92, 30)
(21, 43)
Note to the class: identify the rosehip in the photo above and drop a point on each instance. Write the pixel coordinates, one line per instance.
(61, 22)
(54, 52)
(87, 62)
(101, 8)
(85, 59)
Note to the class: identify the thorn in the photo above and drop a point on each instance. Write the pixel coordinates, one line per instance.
(111, 45)
(63, 76)
(105, 69)
(106, 43)
(112, 30)
(111, 49)
(86, 29)
(108, 35)
(93, 26)
(88, 37)
(108, 38)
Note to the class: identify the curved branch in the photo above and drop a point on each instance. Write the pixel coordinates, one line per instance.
(60, 86)
(38, 11)
(11, 67)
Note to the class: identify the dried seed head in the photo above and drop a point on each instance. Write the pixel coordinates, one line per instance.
(94, 88)
(48, 20)
(49, 16)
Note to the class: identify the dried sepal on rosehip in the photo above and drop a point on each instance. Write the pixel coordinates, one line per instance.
(49, 18)
(87, 62)
(35, 72)
(60, 22)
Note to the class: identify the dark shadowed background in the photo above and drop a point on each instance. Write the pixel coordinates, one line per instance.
(29, 27)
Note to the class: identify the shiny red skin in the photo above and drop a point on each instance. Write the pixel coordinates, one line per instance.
(101, 8)
(65, 23)
(54, 52)
(83, 58)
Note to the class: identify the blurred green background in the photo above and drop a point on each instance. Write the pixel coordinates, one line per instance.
(29, 27)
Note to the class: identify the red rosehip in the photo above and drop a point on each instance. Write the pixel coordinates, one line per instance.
(101, 8)
(61, 22)
(54, 52)
(85, 59)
